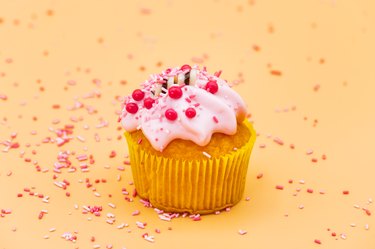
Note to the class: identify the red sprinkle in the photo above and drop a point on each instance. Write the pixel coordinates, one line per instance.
(276, 72)
(279, 187)
(317, 241)
(171, 114)
(215, 119)
(333, 234)
(138, 94)
(148, 102)
(113, 154)
(190, 112)
(314, 160)
(212, 86)
(345, 192)
(185, 67)
(175, 92)
(309, 190)
(260, 175)
(132, 108)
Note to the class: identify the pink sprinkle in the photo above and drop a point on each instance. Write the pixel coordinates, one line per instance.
(242, 232)
(262, 146)
(120, 168)
(136, 212)
(3, 97)
(278, 141)
(309, 190)
(197, 218)
(139, 141)
(215, 119)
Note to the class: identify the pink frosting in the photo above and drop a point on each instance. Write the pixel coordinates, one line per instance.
(215, 112)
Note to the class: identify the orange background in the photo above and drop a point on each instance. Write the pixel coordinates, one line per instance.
(314, 44)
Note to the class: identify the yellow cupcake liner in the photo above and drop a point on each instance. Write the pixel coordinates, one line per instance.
(192, 186)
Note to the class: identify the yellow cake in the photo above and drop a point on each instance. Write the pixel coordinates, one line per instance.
(189, 141)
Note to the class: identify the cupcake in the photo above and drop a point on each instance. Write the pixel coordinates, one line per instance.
(189, 141)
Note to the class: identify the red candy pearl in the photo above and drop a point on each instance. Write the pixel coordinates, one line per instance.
(132, 108)
(185, 67)
(171, 114)
(138, 94)
(212, 86)
(175, 92)
(148, 102)
(190, 112)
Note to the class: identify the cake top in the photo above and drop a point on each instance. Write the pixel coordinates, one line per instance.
(183, 103)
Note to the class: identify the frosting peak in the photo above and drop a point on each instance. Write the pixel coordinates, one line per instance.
(185, 103)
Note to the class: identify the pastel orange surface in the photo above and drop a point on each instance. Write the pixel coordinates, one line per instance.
(305, 69)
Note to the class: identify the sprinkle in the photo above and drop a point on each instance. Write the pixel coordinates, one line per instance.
(309, 152)
(260, 175)
(343, 236)
(309, 190)
(276, 72)
(112, 205)
(314, 160)
(367, 227)
(242, 232)
(206, 154)
(278, 141)
(136, 212)
(215, 119)
(262, 146)
(279, 187)
(317, 241)
(345, 192)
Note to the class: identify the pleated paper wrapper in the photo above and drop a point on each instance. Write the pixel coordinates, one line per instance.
(192, 186)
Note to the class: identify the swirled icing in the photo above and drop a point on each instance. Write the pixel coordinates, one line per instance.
(215, 112)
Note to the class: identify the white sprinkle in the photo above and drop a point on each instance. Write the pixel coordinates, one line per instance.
(110, 221)
(110, 215)
(58, 184)
(353, 225)
(96, 246)
(80, 138)
(97, 194)
(52, 229)
(367, 227)
(206, 154)
(301, 207)
(343, 236)
(165, 218)
(118, 178)
(46, 237)
(217, 212)
(112, 205)
(356, 206)
(75, 206)
(242, 232)
(309, 152)
(149, 238)
(369, 200)
(121, 226)
(302, 181)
